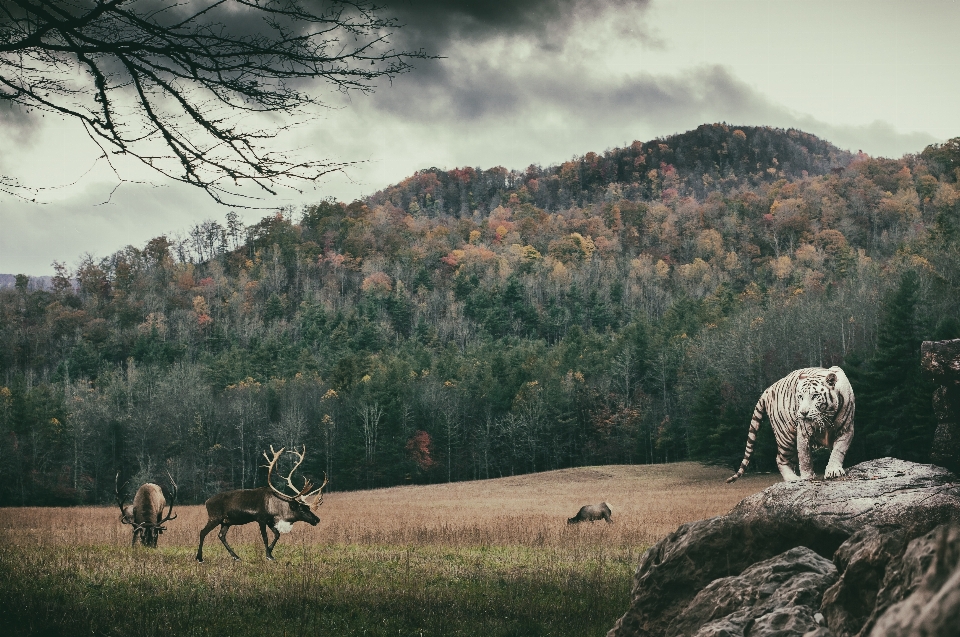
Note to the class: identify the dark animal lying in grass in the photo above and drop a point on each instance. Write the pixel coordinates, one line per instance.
(592, 513)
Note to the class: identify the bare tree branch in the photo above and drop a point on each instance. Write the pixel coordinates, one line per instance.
(173, 84)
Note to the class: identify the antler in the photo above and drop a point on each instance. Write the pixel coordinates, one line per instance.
(301, 493)
(173, 498)
(318, 493)
(272, 463)
(116, 491)
(306, 484)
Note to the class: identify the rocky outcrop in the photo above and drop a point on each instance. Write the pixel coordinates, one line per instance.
(940, 361)
(779, 594)
(851, 603)
(806, 558)
(927, 583)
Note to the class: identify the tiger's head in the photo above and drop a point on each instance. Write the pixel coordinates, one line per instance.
(817, 400)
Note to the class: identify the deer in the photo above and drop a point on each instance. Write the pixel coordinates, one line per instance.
(146, 512)
(592, 513)
(267, 506)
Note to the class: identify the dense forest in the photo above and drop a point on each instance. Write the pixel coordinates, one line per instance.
(623, 307)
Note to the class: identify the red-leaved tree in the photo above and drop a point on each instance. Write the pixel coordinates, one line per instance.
(418, 447)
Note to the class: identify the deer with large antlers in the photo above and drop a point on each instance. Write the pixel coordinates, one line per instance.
(146, 512)
(267, 506)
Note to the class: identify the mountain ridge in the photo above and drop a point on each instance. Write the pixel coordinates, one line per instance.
(696, 162)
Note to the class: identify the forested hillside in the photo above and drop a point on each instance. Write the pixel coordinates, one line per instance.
(623, 307)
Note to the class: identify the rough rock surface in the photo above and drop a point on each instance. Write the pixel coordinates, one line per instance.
(863, 523)
(940, 361)
(772, 596)
(853, 601)
(928, 582)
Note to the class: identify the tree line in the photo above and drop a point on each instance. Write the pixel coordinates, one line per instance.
(464, 325)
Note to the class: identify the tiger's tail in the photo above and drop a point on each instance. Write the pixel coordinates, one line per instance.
(758, 412)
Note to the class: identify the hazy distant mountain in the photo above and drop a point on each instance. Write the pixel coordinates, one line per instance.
(36, 282)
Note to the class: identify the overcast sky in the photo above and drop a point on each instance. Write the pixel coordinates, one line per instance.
(538, 82)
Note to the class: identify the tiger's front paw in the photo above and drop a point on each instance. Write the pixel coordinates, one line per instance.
(834, 471)
(787, 472)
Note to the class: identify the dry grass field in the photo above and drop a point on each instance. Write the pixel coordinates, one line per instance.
(493, 556)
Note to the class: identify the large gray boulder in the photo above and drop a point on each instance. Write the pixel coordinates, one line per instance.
(775, 595)
(861, 524)
(854, 602)
(927, 584)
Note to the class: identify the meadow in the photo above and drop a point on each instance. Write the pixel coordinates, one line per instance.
(492, 557)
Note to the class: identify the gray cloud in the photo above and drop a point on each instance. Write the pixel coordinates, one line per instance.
(440, 27)
(462, 33)
(472, 91)
(434, 24)
(17, 124)
(486, 92)
(879, 138)
(508, 59)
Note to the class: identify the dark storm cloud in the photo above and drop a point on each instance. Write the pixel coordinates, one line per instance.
(431, 25)
(480, 75)
(422, 23)
(434, 24)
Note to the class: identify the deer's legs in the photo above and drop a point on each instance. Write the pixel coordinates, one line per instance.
(223, 538)
(276, 536)
(268, 546)
(211, 525)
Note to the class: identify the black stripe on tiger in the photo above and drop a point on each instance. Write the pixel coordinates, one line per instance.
(758, 412)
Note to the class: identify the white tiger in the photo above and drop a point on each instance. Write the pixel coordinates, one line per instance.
(807, 407)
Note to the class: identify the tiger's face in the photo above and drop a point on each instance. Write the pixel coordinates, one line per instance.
(817, 401)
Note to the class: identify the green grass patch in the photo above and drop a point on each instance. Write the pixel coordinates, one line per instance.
(313, 590)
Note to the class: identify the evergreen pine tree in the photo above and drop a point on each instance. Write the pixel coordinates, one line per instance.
(711, 437)
(273, 309)
(894, 415)
(720, 422)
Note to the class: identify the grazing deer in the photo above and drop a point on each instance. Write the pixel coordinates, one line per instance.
(592, 513)
(146, 512)
(267, 506)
